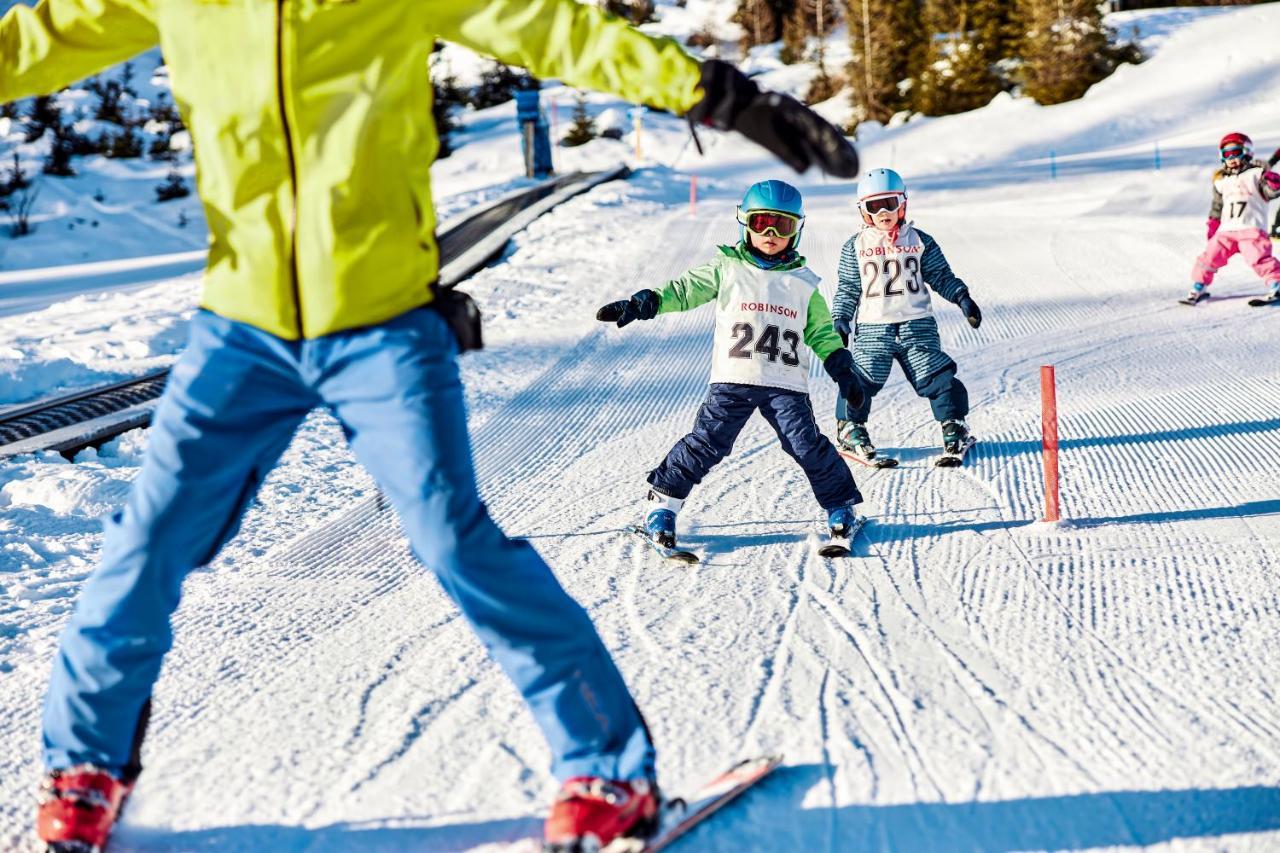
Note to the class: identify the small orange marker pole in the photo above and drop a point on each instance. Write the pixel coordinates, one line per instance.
(1049, 433)
(693, 196)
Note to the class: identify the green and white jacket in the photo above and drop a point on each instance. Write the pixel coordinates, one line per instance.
(762, 318)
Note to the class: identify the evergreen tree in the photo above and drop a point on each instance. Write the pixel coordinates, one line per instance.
(583, 129)
(887, 41)
(173, 187)
(45, 113)
(497, 83)
(960, 70)
(58, 163)
(1065, 48)
(445, 95)
(124, 145)
(761, 21)
(636, 11)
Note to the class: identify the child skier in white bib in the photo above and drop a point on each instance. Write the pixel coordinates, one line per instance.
(769, 314)
(1238, 218)
(882, 304)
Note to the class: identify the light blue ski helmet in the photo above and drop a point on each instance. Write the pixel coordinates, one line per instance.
(771, 195)
(882, 182)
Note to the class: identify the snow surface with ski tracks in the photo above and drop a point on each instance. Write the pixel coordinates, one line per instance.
(969, 679)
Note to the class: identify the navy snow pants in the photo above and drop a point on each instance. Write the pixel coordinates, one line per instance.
(917, 348)
(721, 418)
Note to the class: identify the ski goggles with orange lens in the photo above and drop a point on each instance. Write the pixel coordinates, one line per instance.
(765, 221)
(884, 202)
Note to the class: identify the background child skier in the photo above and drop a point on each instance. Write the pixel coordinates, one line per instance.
(1238, 218)
(883, 272)
(767, 304)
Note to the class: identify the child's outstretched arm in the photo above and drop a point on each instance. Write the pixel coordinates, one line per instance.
(1269, 184)
(1215, 209)
(938, 275)
(821, 337)
(848, 292)
(696, 287)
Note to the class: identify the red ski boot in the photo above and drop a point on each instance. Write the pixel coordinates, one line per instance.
(589, 814)
(78, 807)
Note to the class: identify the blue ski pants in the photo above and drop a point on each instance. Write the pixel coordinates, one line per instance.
(721, 418)
(233, 401)
(917, 348)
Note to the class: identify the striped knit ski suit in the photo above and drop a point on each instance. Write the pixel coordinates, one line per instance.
(914, 343)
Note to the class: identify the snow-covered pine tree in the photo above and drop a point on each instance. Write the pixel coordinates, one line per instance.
(583, 129)
(173, 187)
(1064, 48)
(61, 149)
(960, 67)
(761, 21)
(887, 41)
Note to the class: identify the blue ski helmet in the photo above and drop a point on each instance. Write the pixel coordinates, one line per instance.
(773, 195)
(882, 182)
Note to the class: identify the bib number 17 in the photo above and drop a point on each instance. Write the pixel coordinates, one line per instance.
(772, 343)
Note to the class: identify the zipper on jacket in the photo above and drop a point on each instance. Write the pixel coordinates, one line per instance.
(293, 166)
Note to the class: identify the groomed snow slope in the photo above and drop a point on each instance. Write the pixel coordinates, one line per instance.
(970, 679)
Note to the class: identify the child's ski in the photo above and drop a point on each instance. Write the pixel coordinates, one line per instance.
(1269, 299)
(678, 554)
(1194, 298)
(877, 461)
(830, 546)
(954, 460)
(680, 816)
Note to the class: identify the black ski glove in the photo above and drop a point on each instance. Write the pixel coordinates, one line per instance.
(970, 309)
(794, 133)
(839, 366)
(643, 305)
(843, 328)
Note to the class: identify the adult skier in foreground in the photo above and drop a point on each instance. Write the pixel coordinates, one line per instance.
(313, 132)
(769, 314)
(882, 306)
(1238, 220)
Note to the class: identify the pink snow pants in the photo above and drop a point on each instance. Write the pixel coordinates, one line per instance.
(1252, 243)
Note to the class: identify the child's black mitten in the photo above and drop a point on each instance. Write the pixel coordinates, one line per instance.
(839, 366)
(643, 305)
(970, 309)
(843, 328)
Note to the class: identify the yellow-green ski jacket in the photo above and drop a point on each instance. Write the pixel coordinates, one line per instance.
(312, 126)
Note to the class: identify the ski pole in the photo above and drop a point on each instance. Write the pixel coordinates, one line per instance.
(1049, 441)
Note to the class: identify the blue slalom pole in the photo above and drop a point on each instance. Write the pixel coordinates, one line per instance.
(1157, 155)
(1053, 165)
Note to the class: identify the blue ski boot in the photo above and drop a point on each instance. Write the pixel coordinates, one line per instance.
(660, 521)
(661, 526)
(843, 522)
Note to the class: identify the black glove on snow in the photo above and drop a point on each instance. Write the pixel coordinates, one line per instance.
(970, 309)
(794, 133)
(843, 329)
(839, 366)
(643, 305)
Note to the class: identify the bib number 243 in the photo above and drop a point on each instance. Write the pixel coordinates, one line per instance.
(772, 343)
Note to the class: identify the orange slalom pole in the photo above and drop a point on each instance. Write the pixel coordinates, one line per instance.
(693, 196)
(1049, 402)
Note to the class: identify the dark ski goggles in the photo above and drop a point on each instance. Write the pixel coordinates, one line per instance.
(884, 202)
(766, 221)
